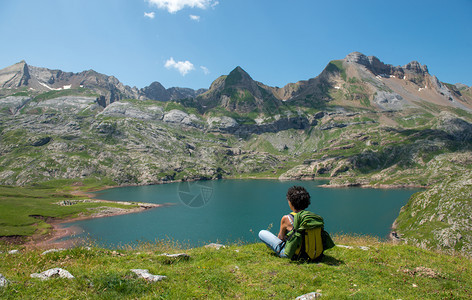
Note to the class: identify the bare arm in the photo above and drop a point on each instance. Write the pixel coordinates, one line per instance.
(285, 226)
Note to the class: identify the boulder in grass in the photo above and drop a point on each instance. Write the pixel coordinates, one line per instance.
(51, 273)
(143, 273)
(215, 246)
(3, 281)
(52, 250)
(178, 255)
(309, 296)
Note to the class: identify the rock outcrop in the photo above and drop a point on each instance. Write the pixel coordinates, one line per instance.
(128, 110)
(144, 273)
(13, 104)
(180, 117)
(3, 281)
(14, 76)
(439, 218)
(51, 273)
(71, 104)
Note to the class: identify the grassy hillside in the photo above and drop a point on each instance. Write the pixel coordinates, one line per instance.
(439, 218)
(25, 211)
(379, 271)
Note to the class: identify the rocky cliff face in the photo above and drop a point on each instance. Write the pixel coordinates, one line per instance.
(439, 218)
(14, 76)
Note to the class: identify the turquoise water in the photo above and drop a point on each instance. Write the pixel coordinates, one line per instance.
(232, 210)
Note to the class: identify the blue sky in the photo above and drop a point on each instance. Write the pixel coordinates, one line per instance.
(189, 43)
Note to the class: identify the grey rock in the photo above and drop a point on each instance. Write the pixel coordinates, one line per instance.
(14, 251)
(223, 122)
(372, 63)
(191, 120)
(178, 255)
(68, 104)
(128, 110)
(442, 89)
(458, 128)
(144, 273)
(461, 86)
(309, 296)
(175, 116)
(56, 272)
(180, 117)
(344, 246)
(3, 281)
(390, 101)
(416, 67)
(15, 75)
(215, 246)
(106, 127)
(13, 104)
(52, 251)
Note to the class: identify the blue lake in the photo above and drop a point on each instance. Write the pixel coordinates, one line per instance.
(235, 210)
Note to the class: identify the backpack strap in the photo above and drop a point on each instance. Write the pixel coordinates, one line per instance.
(291, 217)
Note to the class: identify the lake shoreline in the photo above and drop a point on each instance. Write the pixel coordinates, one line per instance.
(58, 231)
(327, 185)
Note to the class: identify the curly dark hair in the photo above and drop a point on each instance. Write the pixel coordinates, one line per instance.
(298, 197)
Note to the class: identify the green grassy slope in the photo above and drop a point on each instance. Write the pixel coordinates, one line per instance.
(25, 210)
(383, 271)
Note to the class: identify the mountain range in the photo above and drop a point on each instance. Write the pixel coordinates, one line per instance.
(38, 80)
(357, 80)
(360, 122)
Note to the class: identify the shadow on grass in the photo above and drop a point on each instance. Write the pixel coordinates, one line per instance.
(325, 259)
(331, 261)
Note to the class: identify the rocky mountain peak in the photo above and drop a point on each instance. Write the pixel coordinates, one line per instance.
(15, 75)
(238, 92)
(416, 67)
(156, 91)
(238, 77)
(372, 63)
(357, 57)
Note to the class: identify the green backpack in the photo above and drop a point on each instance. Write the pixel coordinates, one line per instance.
(308, 239)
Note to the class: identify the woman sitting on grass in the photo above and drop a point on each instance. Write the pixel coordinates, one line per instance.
(301, 234)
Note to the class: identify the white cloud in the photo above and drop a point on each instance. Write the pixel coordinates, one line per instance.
(205, 70)
(150, 15)
(182, 66)
(195, 18)
(174, 6)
